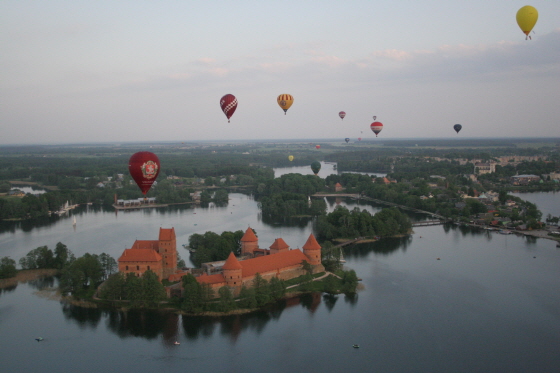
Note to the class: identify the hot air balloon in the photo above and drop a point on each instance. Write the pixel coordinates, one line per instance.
(347, 140)
(374, 117)
(315, 167)
(144, 169)
(376, 127)
(318, 146)
(228, 103)
(342, 114)
(285, 101)
(457, 127)
(526, 19)
(290, 158)
(359, 139)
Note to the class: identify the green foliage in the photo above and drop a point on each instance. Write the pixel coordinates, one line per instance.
(41, 257)
(7, 267)
(293, 183)
(212, 247)
(262, 290)
(291, 204)
(226, 299)
(330, 256)
(247, 298)
(342, 223)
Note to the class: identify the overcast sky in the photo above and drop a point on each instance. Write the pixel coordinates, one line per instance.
(89, 71)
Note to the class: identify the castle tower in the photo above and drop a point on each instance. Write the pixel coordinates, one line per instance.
(279, 246)
(232, 271)
(249, 242)
(167, 248)
(312, 250)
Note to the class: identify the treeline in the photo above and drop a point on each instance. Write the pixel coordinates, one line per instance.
(342, 223)
(211, 247)
(78, 276)
(291, 204)
(141, 292)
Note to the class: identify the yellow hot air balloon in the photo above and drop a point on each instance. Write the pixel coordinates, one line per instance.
(526, 19)
(285, 101)
(291, 158)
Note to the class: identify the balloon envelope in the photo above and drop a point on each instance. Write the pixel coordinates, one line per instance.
(290, 158)
(342, 114)
(374, 117)
(318, 146)
(376, 127)
(347, 140)
(315, 167)
(359, 139)
(285, 101)
(144, 169)
(228, 103)
(457, 127)
(526, 18)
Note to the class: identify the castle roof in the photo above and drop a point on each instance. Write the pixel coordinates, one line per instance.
(249, 236)
(231, 262)
(279, 244)
(166, 234)
(140, 255)
(311, 243)
(145, 244)
(211, 279)
(263, 264)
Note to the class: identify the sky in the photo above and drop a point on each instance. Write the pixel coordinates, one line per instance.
(80, 71)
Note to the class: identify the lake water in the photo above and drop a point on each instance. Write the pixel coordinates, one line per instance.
(547, 202)
(489, 304)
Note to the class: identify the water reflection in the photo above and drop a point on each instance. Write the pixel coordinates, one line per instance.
(384, 246)
(151, 324)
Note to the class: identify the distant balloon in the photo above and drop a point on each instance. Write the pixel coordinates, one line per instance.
(457, 127)
(290, 158)
(285, 101)
(318, 146)
(526, 18)
(374, 117)
(347, 140)
(376, 127)
(359, 139)
(315, 167)
(342, 114)
(144, 169)
(228, 103)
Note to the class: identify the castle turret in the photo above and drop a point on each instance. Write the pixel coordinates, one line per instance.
(312, 250)
(232, 271)
(279, 246)
(249, 242)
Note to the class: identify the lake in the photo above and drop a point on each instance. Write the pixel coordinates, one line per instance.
(445, 299)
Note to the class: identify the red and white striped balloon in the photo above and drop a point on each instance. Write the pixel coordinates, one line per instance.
(342, 114)
(376, 127)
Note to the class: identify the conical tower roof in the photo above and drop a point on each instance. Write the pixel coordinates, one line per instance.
(279, 244)
(249, 236)
(312, 243)
(232, 263)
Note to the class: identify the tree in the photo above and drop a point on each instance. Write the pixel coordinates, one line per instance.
(226, 299)
(7, 267)
(277, 288)
(262, 291)
(41, 257)
(247, 298)
(114, 288)
(62, 256)
(152, 289)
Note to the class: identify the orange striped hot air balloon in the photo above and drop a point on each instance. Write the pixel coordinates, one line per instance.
(285, 101)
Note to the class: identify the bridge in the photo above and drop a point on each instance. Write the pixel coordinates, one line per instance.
(357, 196)
(427, 222)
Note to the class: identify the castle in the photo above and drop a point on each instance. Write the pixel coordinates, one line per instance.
(277, 261)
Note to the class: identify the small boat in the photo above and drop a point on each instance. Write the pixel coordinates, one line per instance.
(39, 339)
(74, 222)
(356, 346)
(176, 343)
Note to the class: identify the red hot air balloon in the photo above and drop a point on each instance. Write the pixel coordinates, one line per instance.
(144, 169)
(359, 139)
(228, 103)
(318, 146)
(342, 114)
(376, 127)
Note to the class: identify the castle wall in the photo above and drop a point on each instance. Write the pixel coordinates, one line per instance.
(140, 267)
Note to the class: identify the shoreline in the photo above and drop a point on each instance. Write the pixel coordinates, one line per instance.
(26, 275)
